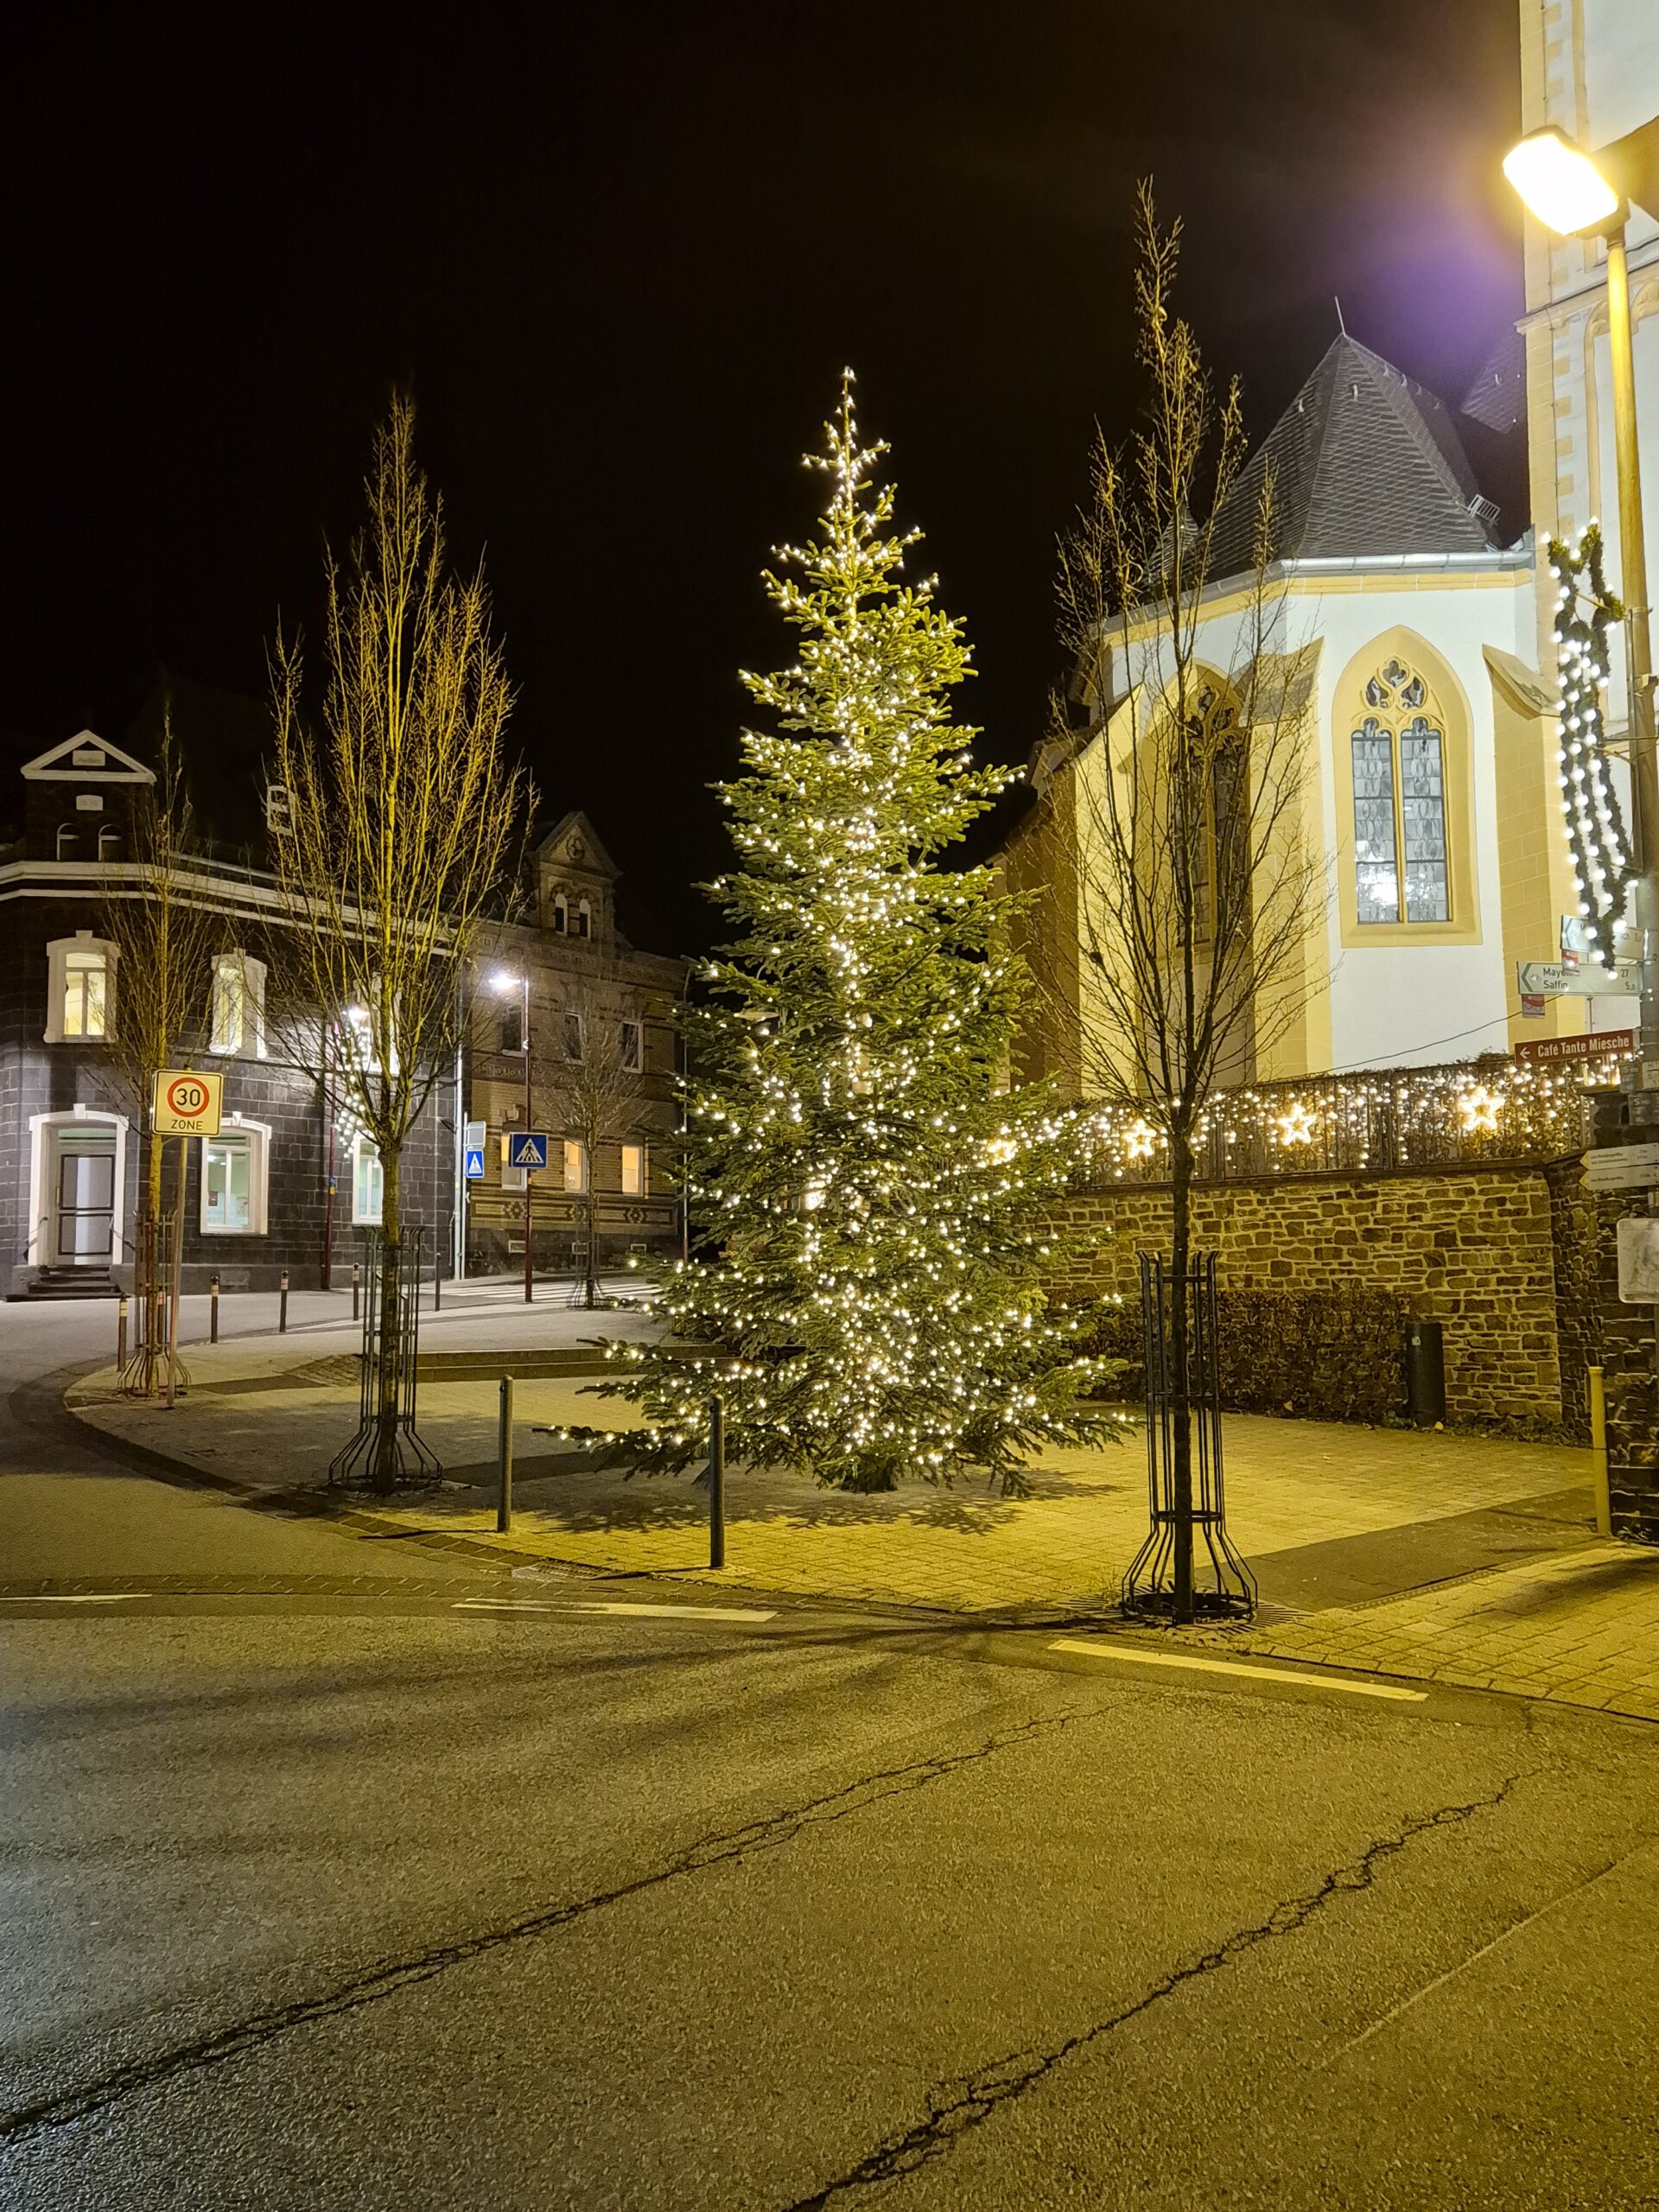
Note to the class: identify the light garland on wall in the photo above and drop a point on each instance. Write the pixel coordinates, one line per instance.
(1480, 1109)
(1595, 827)
(1295, 1124)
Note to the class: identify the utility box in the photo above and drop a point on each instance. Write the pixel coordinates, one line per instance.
(1425, 1372)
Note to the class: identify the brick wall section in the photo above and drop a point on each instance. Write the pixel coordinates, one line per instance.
(1471, 1249)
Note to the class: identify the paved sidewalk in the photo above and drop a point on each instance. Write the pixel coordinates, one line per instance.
(1452, 1559)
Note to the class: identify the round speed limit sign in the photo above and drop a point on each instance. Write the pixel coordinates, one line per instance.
(187, 1103)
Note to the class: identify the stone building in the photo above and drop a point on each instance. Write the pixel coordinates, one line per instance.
(287, 1186)
(602, 1059)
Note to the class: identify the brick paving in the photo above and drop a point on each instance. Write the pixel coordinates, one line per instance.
(1579, 1624)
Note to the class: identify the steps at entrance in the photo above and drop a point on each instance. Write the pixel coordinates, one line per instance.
(52, 1284)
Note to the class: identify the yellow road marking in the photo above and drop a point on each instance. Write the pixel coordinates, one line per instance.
(1236, 1667)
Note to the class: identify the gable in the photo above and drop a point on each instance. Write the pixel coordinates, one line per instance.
(86, 758)
(573, 843)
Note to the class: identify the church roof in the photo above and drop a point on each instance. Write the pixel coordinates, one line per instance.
(1364, 462)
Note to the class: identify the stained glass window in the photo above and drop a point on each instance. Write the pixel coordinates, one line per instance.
(1400, 828)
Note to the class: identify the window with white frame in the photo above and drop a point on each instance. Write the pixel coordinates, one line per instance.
(368, 1182)
(68, 842)
(634, 1047)
(239, 1019)
(109, 842)
(633, 1170)
(236, 1179)
(575, 1164)
(279, 813)
(81, 988)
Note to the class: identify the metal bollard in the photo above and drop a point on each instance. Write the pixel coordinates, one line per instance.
(1599, 1454)
(212, 1309)
(121, 1335)
(282, 1303)
(716, 1483)
(503, 1455)
(357, 1278)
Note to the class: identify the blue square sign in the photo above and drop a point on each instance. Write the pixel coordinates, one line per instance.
(527, 1148)
(474, 1164)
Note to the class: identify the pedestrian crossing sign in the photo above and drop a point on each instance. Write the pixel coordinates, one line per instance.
(475, 1163)
(527, 1148)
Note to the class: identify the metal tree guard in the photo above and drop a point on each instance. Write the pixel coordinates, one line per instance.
(391, 1366)
(1227, 1592)
(155, 1316)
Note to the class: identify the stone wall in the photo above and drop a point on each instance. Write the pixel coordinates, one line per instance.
(1472, 1249)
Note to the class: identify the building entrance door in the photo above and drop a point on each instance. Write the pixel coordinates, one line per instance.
(83, 1197)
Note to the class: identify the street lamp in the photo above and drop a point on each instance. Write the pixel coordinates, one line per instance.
(1580, 195)
(504, 980)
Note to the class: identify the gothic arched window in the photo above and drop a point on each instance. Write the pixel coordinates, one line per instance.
(1401, 859)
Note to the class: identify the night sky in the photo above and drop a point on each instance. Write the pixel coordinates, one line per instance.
(619, 257)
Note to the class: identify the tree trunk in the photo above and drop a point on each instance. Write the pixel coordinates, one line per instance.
(1180, 1368)
(383, 1465)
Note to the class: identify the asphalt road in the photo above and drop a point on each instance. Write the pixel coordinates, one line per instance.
(340, 1873)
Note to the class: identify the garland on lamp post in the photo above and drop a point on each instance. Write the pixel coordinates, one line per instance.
(1595, 827)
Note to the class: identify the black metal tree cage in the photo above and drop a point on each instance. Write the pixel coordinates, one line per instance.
(391, 1362)
(1187, 1558)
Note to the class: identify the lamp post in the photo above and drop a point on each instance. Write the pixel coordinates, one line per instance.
(504, 980)
(1588, 195)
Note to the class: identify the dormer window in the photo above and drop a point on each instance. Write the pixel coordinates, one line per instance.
(109, 842)
(68, 842)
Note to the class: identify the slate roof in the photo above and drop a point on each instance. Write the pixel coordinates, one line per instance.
(1364, 462)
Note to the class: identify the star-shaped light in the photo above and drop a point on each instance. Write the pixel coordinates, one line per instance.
(1480, 1109)
(1138, 1141)
(1295, 1125)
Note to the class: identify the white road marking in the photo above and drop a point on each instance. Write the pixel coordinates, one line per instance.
(80, 1598)
(662, 1612)
(682, 1612)
(1236, 1667)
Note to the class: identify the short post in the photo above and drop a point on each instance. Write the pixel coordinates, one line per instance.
(504, 1456)
(357, 1282)
(121, 1336)
(281, 1303)
(213, 1308)
(1599, 1454)
(716, 1483)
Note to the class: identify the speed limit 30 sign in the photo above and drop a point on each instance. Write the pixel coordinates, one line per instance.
(187, 1103)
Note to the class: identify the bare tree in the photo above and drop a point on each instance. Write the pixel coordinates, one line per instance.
(1191, 886)
(159, 915)
(594, 1079)
(403, 816)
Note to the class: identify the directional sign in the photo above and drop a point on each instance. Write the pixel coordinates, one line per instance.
(1602, 1044)
(527, 1148)
(187, 1103)
(475, 1163)
(1622, 1167)
(1553, 979)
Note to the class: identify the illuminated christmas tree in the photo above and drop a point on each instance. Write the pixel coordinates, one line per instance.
(869, 1205)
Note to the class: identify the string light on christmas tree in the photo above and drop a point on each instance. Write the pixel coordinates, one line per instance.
(874, 1210)
(1601, 863)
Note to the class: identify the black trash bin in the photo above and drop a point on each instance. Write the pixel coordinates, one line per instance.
(1425, 1373)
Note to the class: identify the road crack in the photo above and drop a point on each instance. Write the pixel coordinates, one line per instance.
(954, 2107)
(64, 2107)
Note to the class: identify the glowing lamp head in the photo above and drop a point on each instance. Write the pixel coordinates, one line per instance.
(355, 1014)
(1559, 183)
(504, 980)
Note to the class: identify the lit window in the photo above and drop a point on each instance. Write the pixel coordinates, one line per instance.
(279, 814)
(633, 1170)
(368, 1182)
(572, 1036)
(633, 1047)
(1400, 841)
(235, 1180)
(575, 1164)
(239, 1004)
(85, 994)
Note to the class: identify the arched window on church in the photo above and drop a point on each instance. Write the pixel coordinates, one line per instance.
(1402, 867)
(561, 913)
